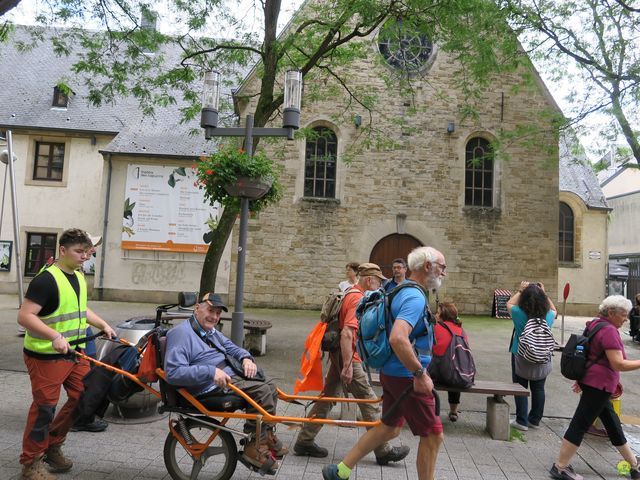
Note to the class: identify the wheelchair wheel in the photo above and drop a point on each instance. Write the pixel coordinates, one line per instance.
(218, 462)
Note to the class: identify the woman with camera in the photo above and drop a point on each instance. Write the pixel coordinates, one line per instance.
(530, 301)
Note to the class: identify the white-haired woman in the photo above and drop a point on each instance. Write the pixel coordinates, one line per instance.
(606, 360)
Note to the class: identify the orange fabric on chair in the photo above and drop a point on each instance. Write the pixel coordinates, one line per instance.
(310, 375)
(149, 363)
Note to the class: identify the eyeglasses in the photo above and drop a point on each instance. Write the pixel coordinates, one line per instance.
(441, 265)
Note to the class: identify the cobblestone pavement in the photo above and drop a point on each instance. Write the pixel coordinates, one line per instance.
(133, 449)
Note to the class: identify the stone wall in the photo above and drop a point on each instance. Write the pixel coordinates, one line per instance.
(297, 249)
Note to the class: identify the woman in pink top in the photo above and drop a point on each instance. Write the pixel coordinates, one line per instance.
(607, 359)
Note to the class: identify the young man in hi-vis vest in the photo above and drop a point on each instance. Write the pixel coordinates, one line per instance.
(54, 312)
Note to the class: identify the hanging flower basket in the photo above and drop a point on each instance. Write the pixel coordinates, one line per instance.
(229, 173)
(251, 188)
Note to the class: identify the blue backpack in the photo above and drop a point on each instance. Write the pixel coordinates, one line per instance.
(375, 322)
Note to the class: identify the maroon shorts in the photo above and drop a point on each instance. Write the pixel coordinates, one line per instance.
(417, 409)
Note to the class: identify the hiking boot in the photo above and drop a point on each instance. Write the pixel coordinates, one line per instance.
(310, 450)
(566, 473)
(36, 471)
(259, 455)
(330, 472)
(56, 460)
(275, 445)
(394, 455)
(98, 425)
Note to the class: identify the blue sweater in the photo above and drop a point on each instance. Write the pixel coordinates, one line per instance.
(189, 362)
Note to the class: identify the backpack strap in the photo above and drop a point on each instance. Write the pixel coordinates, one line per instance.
(394, 292)
(590, 335)
(600, 325)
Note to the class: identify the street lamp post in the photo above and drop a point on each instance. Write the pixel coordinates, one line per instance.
(209, 121)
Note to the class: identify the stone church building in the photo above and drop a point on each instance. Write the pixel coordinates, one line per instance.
(494, 216)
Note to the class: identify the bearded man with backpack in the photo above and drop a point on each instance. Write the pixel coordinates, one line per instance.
(407, 388)
(528, 305)
(347, 374)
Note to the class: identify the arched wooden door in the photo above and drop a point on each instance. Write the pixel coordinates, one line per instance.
(390, 247)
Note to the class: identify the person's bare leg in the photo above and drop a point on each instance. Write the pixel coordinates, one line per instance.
(427, 456)
(370, 441)
(567, 451)
(628, 455)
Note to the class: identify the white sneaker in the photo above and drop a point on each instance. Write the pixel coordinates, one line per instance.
(21, 330)
(517, 426)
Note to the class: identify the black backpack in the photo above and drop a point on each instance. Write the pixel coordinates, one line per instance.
(573, 362)
(455, 368)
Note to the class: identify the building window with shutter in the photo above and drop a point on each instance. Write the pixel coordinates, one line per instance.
(479, 171)
(566, 234)
(320, 162)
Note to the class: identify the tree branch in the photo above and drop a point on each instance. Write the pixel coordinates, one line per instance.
(6, 5)
(217, 48)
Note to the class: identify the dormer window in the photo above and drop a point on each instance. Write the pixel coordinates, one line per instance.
(60, 99)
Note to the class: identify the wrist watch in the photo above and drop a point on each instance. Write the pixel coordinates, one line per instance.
(418, 373)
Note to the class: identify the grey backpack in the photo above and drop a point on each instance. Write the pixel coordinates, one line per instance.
(456, 367)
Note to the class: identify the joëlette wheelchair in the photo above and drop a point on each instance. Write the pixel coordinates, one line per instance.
(200, 444)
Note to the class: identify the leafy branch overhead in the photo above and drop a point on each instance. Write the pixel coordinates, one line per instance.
(591, 45)
(323, 40)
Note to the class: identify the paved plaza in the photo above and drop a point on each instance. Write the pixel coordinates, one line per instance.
(132, 449)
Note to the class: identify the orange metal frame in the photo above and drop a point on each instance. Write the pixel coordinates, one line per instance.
(265, 416)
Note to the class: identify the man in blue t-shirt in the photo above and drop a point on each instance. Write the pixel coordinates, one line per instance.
(411, 339)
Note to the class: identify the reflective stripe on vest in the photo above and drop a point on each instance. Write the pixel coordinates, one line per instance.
(69, 319)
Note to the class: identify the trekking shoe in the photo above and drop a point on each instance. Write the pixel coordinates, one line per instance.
(259, 455)
(56, 460)
(330, 472)
(98, 425)
(310, 450)
(275, 445)
(394, 455)
(36, 471)
(566, 473)
(518, 426)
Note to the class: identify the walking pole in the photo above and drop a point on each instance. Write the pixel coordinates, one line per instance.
(565, 294)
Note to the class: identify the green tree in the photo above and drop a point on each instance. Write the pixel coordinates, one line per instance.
(322, 37)
(593, 45)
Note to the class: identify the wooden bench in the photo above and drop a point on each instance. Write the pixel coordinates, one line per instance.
(255, 341)
(497, 422)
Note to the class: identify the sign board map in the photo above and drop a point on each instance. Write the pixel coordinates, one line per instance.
(164, 210)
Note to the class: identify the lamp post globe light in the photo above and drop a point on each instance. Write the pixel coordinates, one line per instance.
(209, 122)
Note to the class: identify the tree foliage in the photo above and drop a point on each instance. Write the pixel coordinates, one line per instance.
(594, 46)
(233, 37)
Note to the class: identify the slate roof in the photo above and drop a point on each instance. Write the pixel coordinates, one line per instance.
(27, 92)
(577, 175)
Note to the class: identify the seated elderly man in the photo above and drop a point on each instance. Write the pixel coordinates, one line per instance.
(203, 360)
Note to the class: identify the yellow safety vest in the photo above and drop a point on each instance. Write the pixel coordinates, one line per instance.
(69, 319)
